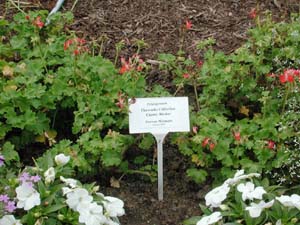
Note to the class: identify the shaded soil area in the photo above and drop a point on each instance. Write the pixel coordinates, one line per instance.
(159, 23)
(181, 195)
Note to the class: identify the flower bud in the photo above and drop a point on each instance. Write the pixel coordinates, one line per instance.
(224, 207)
(60, 217)
(294, 220)
(49, 175)
(37, 214)
(61, 159)
(96, 188)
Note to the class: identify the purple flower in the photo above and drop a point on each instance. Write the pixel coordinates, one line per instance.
(4, 198)
(24, 177)
(35, 178)
(2, 159)
(10, 206)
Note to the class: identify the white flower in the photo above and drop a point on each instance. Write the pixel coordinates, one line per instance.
(61, 159)
(256, 209)
(211, 219)
(27, 197)
(296, 200)
(77, 197)
(113, 206)
(215, 197)
(72, 183)
(239, 175)
(278, 222)
(9, 220)
(49, 175)
(290, 201)
(66, 190)
(250, 192)
(285, 200)
(91, 214)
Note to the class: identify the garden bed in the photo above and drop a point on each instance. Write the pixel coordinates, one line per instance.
(158, 23)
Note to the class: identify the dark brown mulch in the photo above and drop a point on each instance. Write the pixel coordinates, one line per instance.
(158, 23)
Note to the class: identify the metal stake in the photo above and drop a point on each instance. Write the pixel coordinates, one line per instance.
(159, 140)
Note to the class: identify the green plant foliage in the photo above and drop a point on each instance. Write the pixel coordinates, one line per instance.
(54, 92)
(243, 112)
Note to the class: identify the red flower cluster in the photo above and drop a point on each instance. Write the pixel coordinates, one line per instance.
(36, 22)
(237, 135)
(121, 101)
(289, 75)
(271, 145)
(78, 45)
(195, 129)
(199, 64)
(188, 24)
(186, 76)
(253, 13)
(208, 142)
(134, 63)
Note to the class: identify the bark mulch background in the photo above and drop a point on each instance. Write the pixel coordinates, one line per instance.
(158, 23)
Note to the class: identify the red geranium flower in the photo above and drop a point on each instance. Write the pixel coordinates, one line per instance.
(253, 13)
(77, 45)
(237, 136)
(212, 146)
(195, 129)
(38, 23)
(125, 66)
(287, 76)
(121, 101)
(271, 145)
(67, 44)
(188, 24)
(199, 63)
(205, 142)
(186, 76)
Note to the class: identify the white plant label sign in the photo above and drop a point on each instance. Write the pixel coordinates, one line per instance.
(159, 116)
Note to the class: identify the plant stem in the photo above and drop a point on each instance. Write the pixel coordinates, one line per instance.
(180, 86)
(285, 99)
(17, 6)
(73, 6)
(196, 94)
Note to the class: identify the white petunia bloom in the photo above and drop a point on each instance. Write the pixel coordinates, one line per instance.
(49, 175)
(296, 200)
(285, 200)
(61, 159)
(256, 209)
(66, 190)
(250, 192)
(77, 197)
(215, 197)
(239, 175)
(211, 219)
(27, 197)
(91, 214)
(290, 201)
(72, 183)
(113, 206)
(9, 220)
